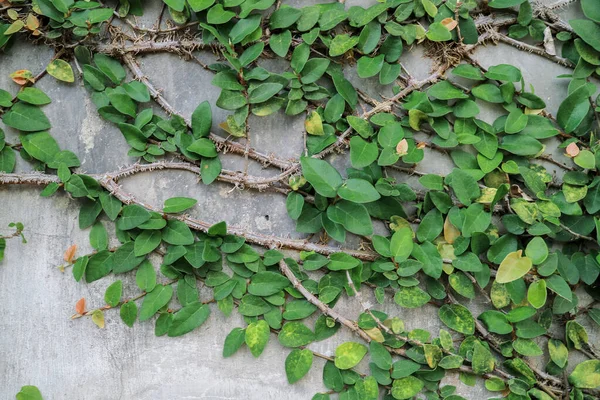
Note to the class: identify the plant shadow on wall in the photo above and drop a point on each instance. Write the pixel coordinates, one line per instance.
(499, 227)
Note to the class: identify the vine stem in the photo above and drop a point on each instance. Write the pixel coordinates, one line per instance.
(225, 144)
(109, 183)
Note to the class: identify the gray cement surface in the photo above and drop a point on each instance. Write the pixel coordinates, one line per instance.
(73, 359)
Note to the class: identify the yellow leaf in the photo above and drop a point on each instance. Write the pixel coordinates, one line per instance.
(513, 267)
(14, 27)
(451, 233)
(314, 124)
(375, 334)
(98, 318)
(449, 23)
(32, 22)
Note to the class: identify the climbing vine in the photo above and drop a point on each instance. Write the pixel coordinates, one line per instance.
(499, 227)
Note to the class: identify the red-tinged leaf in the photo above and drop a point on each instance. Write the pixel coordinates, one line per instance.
(402, 148)
(449, 23)
(80, 306)
(572, 150)
(70, 253)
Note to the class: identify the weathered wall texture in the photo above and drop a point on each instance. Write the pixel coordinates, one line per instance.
(40, 345)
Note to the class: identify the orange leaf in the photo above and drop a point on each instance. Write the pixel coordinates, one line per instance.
(80, 306)
(22, 76)
(572, 150)
(70, 253)
(32, 22)
(449, 23)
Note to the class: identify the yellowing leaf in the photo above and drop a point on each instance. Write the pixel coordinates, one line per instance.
(32, 22)
(449, 23)
(80, 306)
(513, 267)
(375, 334)
(451, 233)
(61, 70)
(98, 318)
(314, 124)
(14, 27)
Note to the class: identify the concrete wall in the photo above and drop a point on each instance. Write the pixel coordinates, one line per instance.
(40, 345)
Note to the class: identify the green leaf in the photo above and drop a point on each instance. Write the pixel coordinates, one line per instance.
(505, 3)
(178, 204)
(536, 294)
(324, 178)
(444, 90)
(113, 293)
(280, 43)
(132, 216)
(537, 250)
(369, 66)
(349, 354)
(559, 354)
(353, 216)
(573, 109)
(264, 92)
(482, 361)
(503, 72)
(591, 10)
(128, 313)
(438, 33)
(202, 120)
(513, 267)
(401, 244)
(586, 375)
(257, 337)
(411, 297)
(61, 70)
(313, 70)
(234, 340)
(358, 191)
(26, 118)
(155, 300)
(380, 355)
(406, 388)
(145, 276)
(41, 146)
(177, 233)
(267, 283)
(146, 242)
(244, 27)
(589, 31)
(342, 261)
(295, 334)
(297, 364)
(188, 318)
(457, 317)
(464, 185)
(33, 96)
(29, 393)
(341, 44)
(110, 67)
